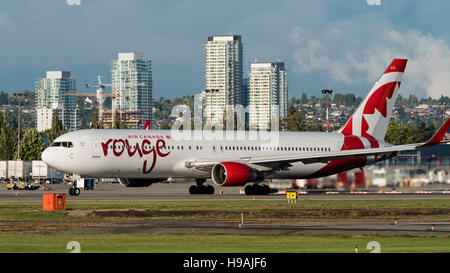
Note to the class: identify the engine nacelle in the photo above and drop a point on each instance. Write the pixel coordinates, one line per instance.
(233, 174)
(138, 182)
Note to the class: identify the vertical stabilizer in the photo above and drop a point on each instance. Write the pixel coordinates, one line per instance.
(372, 117)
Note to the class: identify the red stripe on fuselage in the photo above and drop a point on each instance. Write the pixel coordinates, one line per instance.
(351, 142)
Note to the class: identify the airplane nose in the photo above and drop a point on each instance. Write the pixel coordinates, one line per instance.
(46, 157)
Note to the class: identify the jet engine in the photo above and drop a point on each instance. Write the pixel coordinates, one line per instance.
(233, 174)
(138, 182)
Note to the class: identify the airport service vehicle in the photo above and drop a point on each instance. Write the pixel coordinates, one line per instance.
(138, 158)
(19, 169)
(82, 183)
(21, 186)
(41, 171)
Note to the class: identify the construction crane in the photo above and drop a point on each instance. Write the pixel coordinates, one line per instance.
(100, 95)
(100, 107)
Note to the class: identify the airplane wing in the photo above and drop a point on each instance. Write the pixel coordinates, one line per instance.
(281, 161)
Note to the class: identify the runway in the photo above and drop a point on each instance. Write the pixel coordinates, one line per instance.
(179, 192)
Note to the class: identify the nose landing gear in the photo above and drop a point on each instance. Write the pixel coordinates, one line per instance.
(74, 191)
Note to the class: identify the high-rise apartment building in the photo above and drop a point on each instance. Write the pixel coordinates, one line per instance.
(223, 76)
(131, 78)
(267, 93)
(51, 98)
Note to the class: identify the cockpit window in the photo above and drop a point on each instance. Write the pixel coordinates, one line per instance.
(65, 144)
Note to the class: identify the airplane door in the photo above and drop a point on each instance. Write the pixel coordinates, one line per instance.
(96, 148)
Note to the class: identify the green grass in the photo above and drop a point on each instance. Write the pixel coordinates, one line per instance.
(31, 217)
(211, 243)
(318, 209)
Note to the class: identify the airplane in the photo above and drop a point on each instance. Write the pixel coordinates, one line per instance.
(139, 158)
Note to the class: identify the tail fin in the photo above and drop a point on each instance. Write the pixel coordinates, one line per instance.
(372, 117)
(147, 124)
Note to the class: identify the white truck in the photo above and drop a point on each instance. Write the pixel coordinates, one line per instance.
(3, 170)
(19, 170)
(41, 171)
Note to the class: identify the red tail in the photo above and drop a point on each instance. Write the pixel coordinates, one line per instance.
(147, 124)
(373, 114)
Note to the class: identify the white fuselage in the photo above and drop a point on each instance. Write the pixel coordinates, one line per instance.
(158, 154)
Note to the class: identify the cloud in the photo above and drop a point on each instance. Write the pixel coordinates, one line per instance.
(362, 61)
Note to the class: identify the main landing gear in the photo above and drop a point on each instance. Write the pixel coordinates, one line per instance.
(200, 188)
(256, 189)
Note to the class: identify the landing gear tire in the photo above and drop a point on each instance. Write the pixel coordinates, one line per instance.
(248, 190)
(256, 189)
(209, 189)
(74, 191)
(201, 189)
(193, 189)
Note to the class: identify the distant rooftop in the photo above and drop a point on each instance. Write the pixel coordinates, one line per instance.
(58, 74)
(225, 38)
(129, 56)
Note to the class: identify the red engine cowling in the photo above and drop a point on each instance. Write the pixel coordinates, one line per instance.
(232, 174)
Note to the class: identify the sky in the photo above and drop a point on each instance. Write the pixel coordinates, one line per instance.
(342, 45)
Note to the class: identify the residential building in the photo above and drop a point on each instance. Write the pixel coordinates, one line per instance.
(223, 76)
(51, 98)
(268, 93)
(132, 83)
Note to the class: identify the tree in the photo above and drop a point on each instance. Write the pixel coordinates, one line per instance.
(303, 99)
(95, 124)
(8, 138)
(397, 134)
(294, 120)
(118, 124)
(3, 98)
(31, 145)
(421, 132)
(55, 131)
